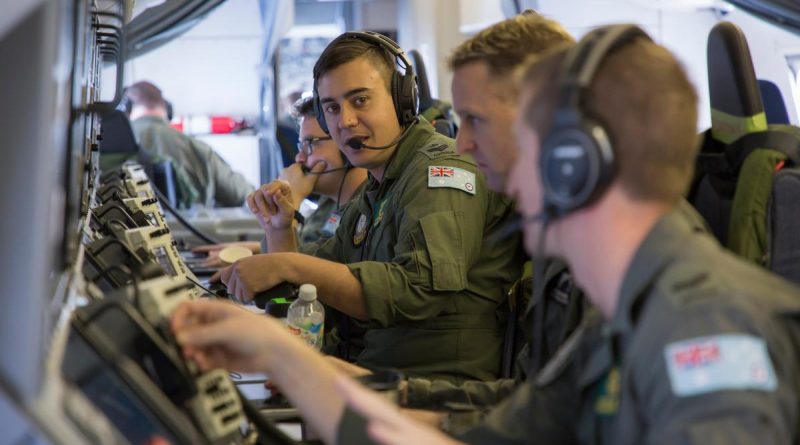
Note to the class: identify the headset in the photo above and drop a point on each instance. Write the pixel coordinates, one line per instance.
(577, 157)
(403, 86)
(126, 105)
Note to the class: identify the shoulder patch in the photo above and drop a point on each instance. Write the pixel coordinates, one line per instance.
(719, 362)
(438, 149)
(451, 177)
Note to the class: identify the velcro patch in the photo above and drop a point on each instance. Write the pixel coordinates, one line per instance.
(451, 177)
(719, 362)
(331, 224)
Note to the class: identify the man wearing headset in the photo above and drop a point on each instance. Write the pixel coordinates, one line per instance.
(319, 168)
(486, 99)
(412, 266)
(214, 180)
(689, 345)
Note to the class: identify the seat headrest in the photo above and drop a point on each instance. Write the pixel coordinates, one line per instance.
(117, 134)
(736, 107)
(774, 106)
(423, 86)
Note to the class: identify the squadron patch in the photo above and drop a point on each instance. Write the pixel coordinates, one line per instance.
(719, 362)
(361, 230)
(451, 177)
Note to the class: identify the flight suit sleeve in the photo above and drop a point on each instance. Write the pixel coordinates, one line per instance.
(532, 415)
(719, 380)
(440, 236)
(230, 187)
(439, 394)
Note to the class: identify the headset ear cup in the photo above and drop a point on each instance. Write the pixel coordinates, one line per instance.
(397, 98)
(410, 98)
(576, 163)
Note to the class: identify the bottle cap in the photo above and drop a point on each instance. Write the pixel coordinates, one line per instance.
(308, 292)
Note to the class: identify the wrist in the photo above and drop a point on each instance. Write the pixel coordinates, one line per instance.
(287, 267)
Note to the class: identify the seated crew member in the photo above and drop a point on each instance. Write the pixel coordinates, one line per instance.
(412, 265)
(485, 98)
(319, 168)
(212, 177)
(689, 345)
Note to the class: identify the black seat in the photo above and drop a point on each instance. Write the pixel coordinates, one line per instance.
(119, 145)
(439, 113)
(747, 184)
(773, 102)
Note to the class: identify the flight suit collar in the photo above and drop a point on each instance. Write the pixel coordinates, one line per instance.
(150, 120)
(374, 190)
(659, 247)
(397, 164)
(407, 148)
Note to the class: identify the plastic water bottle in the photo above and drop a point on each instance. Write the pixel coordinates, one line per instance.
(306, 317)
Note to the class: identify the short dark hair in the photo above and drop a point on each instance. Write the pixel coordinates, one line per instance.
(506, 44)
(653, 130)
(303, 108)
(145, 94)
(343, 51)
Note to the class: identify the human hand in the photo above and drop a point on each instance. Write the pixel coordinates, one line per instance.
(347, 368)
(273, 205)
(251, 275)
(302, 183)
(386, 424)
(219, 334)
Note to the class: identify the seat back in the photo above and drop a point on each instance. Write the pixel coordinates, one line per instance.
(741, 156)
(439, 113)
(774, 106)
(119, 145)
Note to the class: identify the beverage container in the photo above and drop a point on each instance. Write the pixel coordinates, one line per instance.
(306, 317)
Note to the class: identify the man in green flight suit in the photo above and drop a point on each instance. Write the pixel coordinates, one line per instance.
(689, 344)
(213, 179)
(412, 265)
(486, 99)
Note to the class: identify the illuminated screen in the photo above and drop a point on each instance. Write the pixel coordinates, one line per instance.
(164, 260)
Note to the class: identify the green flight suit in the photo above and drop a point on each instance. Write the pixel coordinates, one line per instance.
(648, 375)
(433, 276)
(667, 368)
(466, 404)
(213, 178)
(317, 227)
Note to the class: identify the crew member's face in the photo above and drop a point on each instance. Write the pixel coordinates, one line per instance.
(486, 116)
(323, 150)
(357, 105)
(524, 182)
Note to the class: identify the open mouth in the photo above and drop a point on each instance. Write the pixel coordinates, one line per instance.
(355, 142)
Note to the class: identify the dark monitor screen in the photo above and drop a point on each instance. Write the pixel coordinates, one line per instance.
(101, 384)
(126, 371)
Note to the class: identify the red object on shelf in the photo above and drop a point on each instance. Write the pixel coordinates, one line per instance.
(209, 124)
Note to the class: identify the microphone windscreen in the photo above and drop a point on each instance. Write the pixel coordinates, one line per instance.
(355, 144)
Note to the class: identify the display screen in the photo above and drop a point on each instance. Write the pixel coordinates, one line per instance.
(112, 396)
(165, 261)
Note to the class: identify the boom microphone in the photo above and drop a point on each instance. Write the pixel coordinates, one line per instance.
(356, 144)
